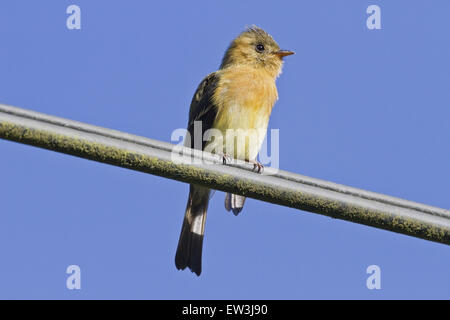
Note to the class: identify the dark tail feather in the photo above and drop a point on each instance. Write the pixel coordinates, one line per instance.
(234, 202)
(189, 251)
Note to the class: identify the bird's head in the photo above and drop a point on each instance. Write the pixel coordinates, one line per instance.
(256, 48)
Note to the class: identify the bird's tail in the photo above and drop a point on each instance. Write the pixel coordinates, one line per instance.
(234, 203)
(189, 251)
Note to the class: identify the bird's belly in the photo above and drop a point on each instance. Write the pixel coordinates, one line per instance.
(239, 132)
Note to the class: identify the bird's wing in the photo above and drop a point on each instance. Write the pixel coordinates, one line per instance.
(202, 106)
(189, 251)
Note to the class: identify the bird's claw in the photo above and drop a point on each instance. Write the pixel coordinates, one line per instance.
(258, 166)
(226, 159)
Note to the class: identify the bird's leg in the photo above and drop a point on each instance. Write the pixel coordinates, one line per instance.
(257, 165)
(226, 159)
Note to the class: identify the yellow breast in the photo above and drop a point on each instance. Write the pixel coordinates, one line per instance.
(244, 98)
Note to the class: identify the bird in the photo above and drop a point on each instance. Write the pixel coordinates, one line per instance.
(238, 96)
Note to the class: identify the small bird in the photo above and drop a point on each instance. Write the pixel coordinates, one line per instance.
(239, 96)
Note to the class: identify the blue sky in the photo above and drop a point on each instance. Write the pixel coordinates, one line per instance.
(366, 108)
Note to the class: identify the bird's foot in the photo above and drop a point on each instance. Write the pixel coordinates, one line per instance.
(258, 166)
(226, 159)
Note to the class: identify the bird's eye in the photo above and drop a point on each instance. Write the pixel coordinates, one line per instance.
(260, 47)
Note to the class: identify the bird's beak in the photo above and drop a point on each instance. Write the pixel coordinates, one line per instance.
(283, 53)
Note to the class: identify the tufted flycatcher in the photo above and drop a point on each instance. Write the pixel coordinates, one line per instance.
(239, 96)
